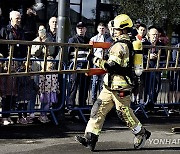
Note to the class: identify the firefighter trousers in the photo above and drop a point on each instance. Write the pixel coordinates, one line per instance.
(105, 102)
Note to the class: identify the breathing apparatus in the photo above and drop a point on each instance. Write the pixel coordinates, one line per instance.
(138, 57)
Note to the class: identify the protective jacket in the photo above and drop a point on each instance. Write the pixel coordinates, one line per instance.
(117, 77)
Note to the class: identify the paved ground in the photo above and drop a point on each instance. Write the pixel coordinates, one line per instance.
(115, 138)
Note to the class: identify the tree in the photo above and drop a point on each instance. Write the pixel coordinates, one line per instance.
(161, 13)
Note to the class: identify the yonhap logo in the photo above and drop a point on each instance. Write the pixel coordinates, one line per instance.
(164, 141)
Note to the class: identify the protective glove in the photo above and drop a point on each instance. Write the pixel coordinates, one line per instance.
(110, 67)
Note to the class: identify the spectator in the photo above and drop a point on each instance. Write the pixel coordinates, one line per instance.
(79, 80)
(2, 19)
(49, 88)
(152, 90)
(141, 33)
(27, 91)
(8, 91)
(51, 34)
(29, 24)
(137, 92)
(102, 36)
(3, 49)
(35, 91)
(174, 84)
(162, 37)
(52, 28)
(135, 28)
(110, 29)
(39, 50)
(13, 31)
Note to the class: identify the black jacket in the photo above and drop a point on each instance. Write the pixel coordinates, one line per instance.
(10, 33)
(77, 39)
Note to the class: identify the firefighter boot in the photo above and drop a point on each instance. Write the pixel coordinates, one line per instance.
(89, 140)
(140, 138)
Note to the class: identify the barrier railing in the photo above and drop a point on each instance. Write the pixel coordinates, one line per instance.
(156, 83)
(29, 44)
(165, 67)
(61, 69)
(21, 81)
(73, 69)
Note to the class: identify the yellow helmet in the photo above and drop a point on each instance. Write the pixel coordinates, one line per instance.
(122, 21)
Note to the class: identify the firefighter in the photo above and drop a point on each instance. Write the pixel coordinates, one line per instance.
(116, 89)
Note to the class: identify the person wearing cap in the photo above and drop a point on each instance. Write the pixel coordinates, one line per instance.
(79, 80)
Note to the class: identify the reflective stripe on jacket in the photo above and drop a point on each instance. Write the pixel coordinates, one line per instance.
(118, 53)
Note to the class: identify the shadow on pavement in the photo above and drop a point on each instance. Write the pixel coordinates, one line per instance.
(35, 131)
(140, 150)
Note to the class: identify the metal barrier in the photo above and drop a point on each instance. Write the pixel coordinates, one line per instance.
(78, 91)
(165, 67)
(73, 69)
(61, 70)
(61, 46)
(23, 85)
(77, 99)
(157, 91)
(160, 66)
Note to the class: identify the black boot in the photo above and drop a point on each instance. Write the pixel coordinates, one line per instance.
(81, 140)
(140, 138)
(91, 140)
(88, 141)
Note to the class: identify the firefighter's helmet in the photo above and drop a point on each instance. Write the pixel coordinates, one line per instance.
(122, 21)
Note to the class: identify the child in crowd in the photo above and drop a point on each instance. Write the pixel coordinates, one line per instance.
(8, 92)
(27, 91)
(32, 102)
(49, 88)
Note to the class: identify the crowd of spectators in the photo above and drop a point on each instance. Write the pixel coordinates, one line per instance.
(20, 93)
(26, 27)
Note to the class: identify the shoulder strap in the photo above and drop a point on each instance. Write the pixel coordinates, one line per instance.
(130, 47)
(130, 64)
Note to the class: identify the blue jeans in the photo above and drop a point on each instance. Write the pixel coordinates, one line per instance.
(97, 85)
(81, 82)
